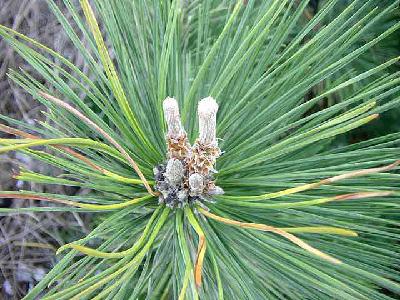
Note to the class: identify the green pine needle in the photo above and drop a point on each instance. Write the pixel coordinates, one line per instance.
(305, 213)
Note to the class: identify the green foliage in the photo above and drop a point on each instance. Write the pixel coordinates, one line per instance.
(259, 60)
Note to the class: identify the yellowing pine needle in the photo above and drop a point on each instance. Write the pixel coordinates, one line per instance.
(16, 144)
(186, 280)
(103, 133)
(282, 205)
(201, 250)
(111, 72)
(107, 62)
(101, 254)
(133, 263)
(272, 229)
(314, 185)
(321, 230)
(76, 204)
(185, 252)
(68, 150)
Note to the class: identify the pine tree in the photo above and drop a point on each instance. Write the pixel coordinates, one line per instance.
(213, 172)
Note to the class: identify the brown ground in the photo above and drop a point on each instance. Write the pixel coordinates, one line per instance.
(27, 241)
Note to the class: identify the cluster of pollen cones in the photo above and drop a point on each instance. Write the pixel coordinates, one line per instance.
(187, 175)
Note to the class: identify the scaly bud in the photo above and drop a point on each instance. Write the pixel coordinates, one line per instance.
(207, 111)
(196, 184)
(174, 172)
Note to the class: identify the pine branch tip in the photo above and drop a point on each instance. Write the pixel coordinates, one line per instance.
(207, 112)
(207, 106)
(173, 119)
